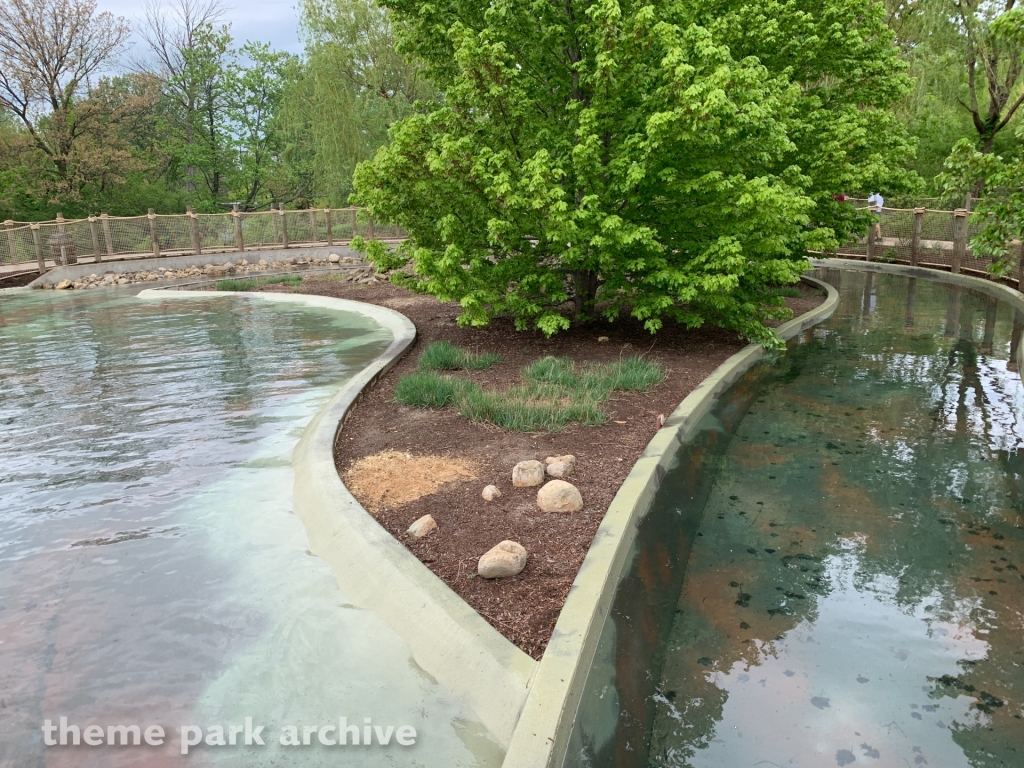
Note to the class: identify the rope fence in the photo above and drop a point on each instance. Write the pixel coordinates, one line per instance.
(65, 241)
(917, 236)
(922, 237)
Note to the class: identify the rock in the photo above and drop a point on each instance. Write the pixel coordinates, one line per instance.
(567, 459)
(490, 493)
(262, 263)
(527, 473)
(422, 527)
(559, 469)
(559, 496)
(334, 258)
(502, 561)
(602, 339)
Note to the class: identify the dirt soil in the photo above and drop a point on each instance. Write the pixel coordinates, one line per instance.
(523, 608)
(19, 280)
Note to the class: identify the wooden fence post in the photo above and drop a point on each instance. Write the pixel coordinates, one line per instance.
(327, 221)
(915, 243)
(354, 222)
(38, 243)
(284, 226)
(60, 222)
(959, 239)
(12, 241)
(95, 232)
(152, 232)
(314, 237)
(193, 230)
(236, 216)
(105, 221)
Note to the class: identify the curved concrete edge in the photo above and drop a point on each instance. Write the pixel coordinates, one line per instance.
(541, 736)
(447, 637)
(1003, 292)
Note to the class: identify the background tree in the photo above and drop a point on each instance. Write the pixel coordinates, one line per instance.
(49, 51)
(352, 86)
(186, 48)
(624, 157)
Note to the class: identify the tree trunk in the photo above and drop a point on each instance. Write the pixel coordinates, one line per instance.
(585, 283)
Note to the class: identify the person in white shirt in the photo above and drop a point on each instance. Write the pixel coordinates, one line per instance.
(876, 201)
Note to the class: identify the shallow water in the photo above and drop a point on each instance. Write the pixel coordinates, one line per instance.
(854, 581)
(151, 570)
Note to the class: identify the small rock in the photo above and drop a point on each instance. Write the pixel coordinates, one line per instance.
(63, 285)
(527, 473)
(422, 527)
(502, 561)
(559, 496)
(490, 493)
(559, 469)
(262, 262)
(602, 339)
(334, 258)
(567, 459)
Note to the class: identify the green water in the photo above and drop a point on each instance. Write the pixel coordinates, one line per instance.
(151, 569)
(854, 557)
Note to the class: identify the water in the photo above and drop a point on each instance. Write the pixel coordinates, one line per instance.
(850, 520)
(151, 570)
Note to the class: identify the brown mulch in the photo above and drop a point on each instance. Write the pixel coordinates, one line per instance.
(523, 608)
(17, 281)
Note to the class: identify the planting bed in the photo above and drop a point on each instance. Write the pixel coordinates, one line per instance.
(523, 608)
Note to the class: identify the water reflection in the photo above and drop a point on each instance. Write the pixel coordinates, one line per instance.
(151, 570)
(855, 592)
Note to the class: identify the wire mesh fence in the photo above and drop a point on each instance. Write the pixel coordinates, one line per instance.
(923, 237)
(62, 242)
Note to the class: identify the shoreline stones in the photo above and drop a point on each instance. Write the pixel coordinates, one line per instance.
(559, 466)
(422, 527)
(362, 273)
(502, 561)
(526, 474)
(559, 496)
(490, 493)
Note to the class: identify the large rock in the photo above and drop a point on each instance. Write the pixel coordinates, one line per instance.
(559, 496)
(527, 473)
(63, 285)
(422, 527)
(490, 493)
(567, 459)
(559, 469)
(502, 561)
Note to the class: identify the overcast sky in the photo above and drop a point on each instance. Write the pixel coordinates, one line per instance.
(269, 21)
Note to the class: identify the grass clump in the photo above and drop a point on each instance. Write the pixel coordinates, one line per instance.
(555, 393)
(249, 283)
(445, 356)
(427, 389)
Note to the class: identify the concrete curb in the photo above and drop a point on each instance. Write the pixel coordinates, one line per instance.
(542, 733)
(449, 639)
(1003, 292)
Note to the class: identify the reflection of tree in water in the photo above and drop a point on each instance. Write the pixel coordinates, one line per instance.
(918, 486)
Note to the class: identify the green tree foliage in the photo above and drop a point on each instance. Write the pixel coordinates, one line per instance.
(670, 160)
(965, 58)
(1000, 211)
(352, 86)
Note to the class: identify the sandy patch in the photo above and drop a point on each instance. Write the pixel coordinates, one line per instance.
(390, 478)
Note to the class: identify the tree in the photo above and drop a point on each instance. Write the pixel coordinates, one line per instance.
(49, 51)
(254, 100)
(190, 52)
(966, 55)
(353, 85)
(670, 160)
